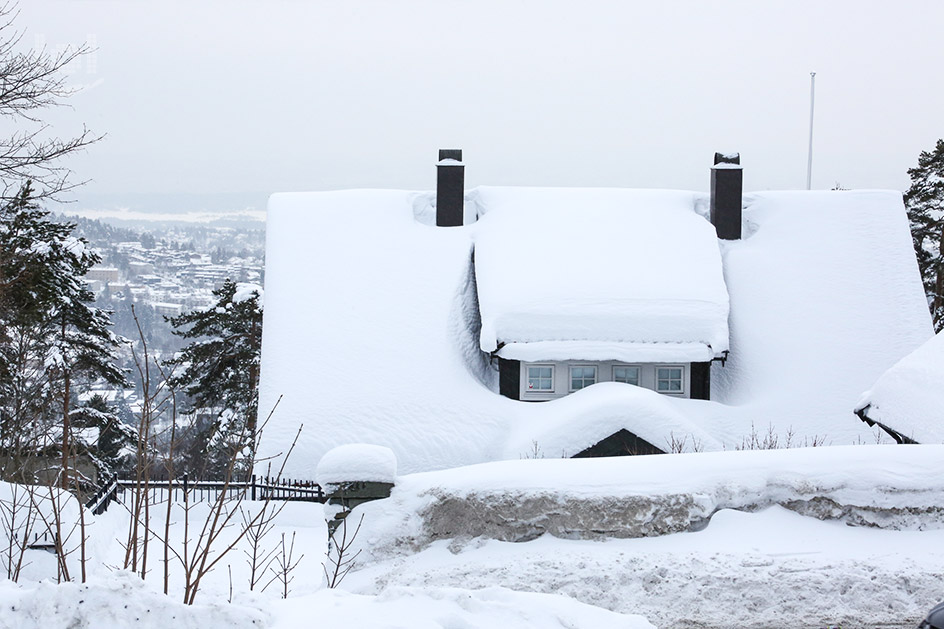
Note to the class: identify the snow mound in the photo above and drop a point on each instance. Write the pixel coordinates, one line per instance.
(437, 607)
(909, 397)
(121, 600)
(568, 425)
(357, 462)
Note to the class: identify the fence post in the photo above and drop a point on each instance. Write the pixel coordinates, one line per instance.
(185, 485)
(253, 490)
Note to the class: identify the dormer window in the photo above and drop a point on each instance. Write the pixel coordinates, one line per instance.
(628, 375)
(670, 379)
(582, 377)
(541, 378)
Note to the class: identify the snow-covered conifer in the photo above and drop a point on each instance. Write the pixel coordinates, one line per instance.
(219, 371)
(925, 203)
(51, 336)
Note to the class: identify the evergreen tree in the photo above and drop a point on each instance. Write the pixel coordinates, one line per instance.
(115, 439)
(51, 337)
(219, 371)
(925, 203)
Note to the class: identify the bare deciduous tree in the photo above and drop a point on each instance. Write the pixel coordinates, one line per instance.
(31, 81)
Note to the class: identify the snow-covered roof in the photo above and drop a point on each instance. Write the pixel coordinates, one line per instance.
(373, 334)
(909, 397)
(612, 274)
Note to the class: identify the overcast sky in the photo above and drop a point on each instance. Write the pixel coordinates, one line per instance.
(253, 97)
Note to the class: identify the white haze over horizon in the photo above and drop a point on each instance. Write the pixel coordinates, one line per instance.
(249, 98)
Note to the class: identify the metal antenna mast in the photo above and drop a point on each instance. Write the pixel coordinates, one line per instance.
(809, 160)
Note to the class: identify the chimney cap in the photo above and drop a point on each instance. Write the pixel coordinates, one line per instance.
(453, 154)
(727, 161)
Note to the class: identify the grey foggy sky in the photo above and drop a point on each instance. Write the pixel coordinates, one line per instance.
(261, 97)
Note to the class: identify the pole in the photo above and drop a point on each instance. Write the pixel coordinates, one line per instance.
(809, 160)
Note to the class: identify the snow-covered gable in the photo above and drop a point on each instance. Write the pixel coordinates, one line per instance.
(632, 275)
(372, 333)
(909, 397)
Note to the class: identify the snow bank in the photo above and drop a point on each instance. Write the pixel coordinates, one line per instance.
(124, 600)
(121, 600)
(597, 265)
(451, 607)
(909, 397)
(357, 462)
(772, 568)
(894, 487)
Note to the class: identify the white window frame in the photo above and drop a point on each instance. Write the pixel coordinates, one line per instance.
(570, 376)
(527, 375)
(681, 390)
(638, 369)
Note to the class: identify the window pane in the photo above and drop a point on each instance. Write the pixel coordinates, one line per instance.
(629, 375)
(540, 378)
(675, 385)
(663, 385)
(676, 373)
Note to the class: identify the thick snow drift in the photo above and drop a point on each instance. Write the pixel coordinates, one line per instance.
(604, 266)
(909, 397)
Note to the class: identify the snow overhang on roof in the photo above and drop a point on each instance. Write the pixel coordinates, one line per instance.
(597, 350)
(593, 274)
(908, 398)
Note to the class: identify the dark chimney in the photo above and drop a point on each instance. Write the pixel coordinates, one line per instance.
(450, 188)
(726, 184)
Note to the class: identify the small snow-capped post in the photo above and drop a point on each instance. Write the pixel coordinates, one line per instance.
(726, 185)
(352, 475)
(450, 188)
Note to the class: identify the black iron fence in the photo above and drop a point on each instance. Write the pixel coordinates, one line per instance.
(181, 489)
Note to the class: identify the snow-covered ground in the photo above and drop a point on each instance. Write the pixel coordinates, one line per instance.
(772, 568)
(757, 561)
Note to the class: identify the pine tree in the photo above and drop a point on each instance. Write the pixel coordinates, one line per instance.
(51, 337)
(219, 371)
(114, 439)
(925, 203)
